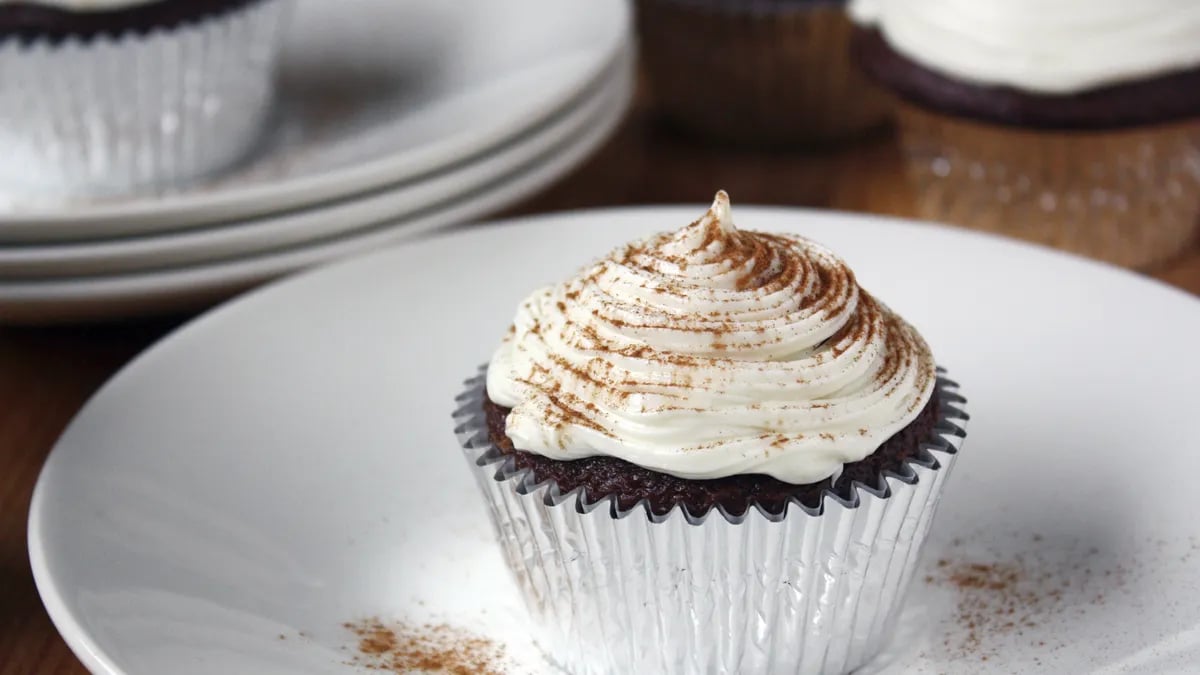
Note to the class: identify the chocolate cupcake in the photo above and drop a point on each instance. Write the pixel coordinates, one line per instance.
(711, 451)
(1075, 126)
(760, 72)
(115, 96)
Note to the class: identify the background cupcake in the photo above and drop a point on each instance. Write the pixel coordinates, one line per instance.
(762, 72)
(109, 96)
(711, 452)
(1072, 123)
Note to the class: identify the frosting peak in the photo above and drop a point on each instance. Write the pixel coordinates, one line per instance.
(710, 352)
(711, 244)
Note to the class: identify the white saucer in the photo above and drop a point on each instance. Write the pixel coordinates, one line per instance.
(324, 221)
(124, 295)
(375, 92)
(287, 463)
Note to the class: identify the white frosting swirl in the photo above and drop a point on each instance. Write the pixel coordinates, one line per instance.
(710, 352)
(1046, 46)
(81, 5)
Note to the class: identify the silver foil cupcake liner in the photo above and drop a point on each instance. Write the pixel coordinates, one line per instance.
(809, 590)
(114, 114)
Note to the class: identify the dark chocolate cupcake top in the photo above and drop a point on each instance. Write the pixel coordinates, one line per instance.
(1050, 48)
(55, 21)
(711, 352)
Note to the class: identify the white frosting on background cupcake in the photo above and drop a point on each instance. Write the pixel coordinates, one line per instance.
(1042, 46)
(82, 5)
(710, 352)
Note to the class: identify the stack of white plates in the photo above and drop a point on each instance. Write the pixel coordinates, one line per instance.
(396, 118)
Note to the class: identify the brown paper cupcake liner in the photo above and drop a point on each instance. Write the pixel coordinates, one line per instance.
(1127, 196)
(773, 75)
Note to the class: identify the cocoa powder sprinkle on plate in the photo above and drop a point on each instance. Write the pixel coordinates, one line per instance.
(1001, 601)
(425, 648)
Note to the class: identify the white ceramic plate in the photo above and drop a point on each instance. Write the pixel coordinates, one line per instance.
(234, 239)
(375, 92)
(115, 296)
(287, 462)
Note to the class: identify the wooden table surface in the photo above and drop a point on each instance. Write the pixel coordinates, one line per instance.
(47, 374)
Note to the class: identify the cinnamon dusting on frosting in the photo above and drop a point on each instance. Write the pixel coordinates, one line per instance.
(677, 352)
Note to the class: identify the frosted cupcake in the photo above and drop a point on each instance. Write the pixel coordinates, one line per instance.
(115, 96)
(783, 67)
(711, 451)
(1072, 123)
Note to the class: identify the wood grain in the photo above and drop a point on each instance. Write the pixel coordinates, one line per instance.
(47, 374)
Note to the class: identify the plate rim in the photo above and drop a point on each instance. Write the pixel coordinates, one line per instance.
(111, 256)
(82, 645)
(201, 283)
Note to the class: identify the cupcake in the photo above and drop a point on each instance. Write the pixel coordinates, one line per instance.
(763, 72)
(1072, 124)
(711, 451)
(115, 96)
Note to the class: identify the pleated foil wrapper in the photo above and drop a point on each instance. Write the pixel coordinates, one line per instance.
(811, 590)
(137, 111)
